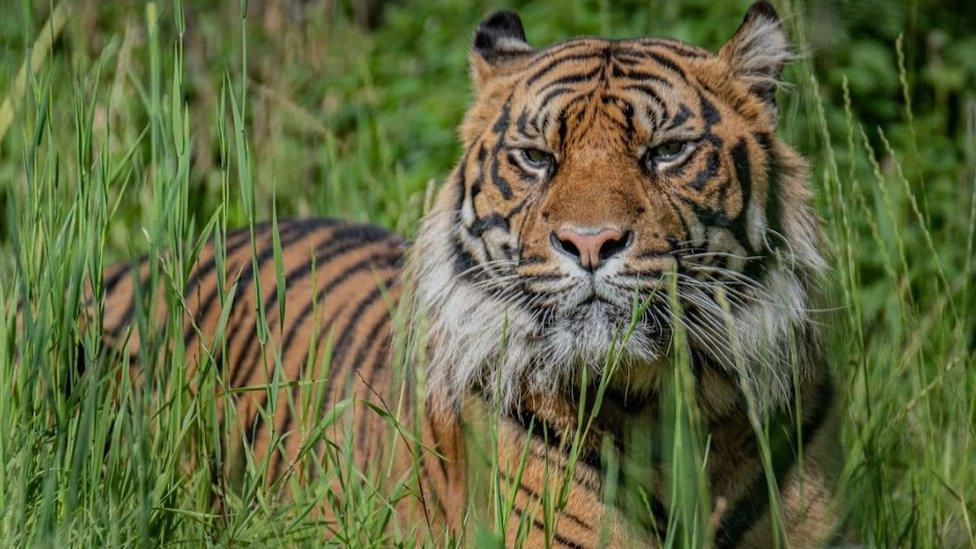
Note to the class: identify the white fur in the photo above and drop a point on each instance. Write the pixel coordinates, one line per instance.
(758, 51)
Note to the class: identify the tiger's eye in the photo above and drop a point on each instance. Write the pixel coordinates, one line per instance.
(668, 150)
(667, 154)
(537, 158)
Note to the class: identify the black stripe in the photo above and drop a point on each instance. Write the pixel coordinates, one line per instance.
(526, 260)
(289, 414)
(516, 210)
(324, 254)
(563, 129)
(650, 92)
(708, 173)
(484, 224)
(234, 242)
(669, 64)
(540, 428)
(138, 282)
(243, 283)
(574, 78)
(464, 262)
(343, 344)
(685, 227)
(461, 181)
(343, 340)
(555, 63)
(674, 46)
(709, 112)
(131, 269)
(629, 118)
(568, 44)
(109, 283)
(683, 114)
(774, 218)
(754, 503)
(541, 526)
(500, 127)
(522, 487)
(552, 94)
(743, 173)
(378, 260)
(391, 257)
(377, 366)
(198, 274)
(237, 324)
(293, 233)
(363, 424)
(338, 243)
(641, 76)
(522, 123)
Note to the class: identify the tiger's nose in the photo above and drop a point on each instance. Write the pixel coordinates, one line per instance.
(590, 248)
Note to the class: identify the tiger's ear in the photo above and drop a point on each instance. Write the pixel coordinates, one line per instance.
(758, 51)
(499, 47)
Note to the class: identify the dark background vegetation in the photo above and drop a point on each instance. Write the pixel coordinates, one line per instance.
(385, 82)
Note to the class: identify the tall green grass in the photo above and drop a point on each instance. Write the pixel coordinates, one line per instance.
(147, 129)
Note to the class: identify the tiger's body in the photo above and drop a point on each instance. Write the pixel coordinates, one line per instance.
(594, 171)
(339, 277)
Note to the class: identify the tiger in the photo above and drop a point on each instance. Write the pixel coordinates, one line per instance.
(605, 186)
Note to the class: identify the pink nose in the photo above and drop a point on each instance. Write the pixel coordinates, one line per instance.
(590, 249)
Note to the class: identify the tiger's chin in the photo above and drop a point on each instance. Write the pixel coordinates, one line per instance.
(599, 337)
(596, 328)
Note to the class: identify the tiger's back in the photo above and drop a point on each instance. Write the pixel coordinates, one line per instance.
(341, 286)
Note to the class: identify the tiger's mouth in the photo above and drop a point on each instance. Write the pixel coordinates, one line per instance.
(597, 311)
(605, 305)
(594, 300)
(610, 304)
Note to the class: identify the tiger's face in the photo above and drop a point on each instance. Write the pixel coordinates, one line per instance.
(598, 172)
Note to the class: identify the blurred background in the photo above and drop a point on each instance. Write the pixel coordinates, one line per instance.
(350, 108)
(354, 104)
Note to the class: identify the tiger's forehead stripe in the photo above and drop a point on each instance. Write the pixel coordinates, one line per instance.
(607, 54)
(596, 66)
(678, 47)
(556, 62)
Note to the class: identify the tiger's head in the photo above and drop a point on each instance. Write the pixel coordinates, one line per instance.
(596, 175)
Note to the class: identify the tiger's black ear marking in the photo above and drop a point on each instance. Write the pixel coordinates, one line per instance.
(758, 51)
(500, 34)
(499, 45)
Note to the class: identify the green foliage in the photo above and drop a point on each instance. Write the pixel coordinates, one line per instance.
(137, 128)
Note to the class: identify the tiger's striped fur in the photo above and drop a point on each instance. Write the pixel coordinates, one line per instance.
(569, 140)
